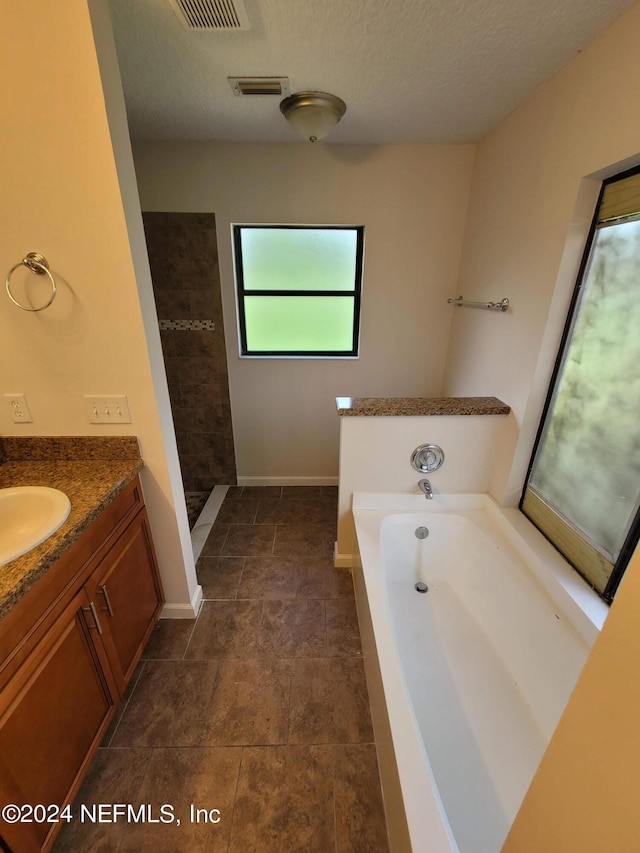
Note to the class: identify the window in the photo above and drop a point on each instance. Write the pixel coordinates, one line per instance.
(583, 486)
(298, 289)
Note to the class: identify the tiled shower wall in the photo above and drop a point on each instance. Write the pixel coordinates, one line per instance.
(183, 256)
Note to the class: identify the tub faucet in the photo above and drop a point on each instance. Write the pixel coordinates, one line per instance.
(425, 487)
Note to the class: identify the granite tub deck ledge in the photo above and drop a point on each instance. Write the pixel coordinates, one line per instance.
(91, 471)
(419, 406)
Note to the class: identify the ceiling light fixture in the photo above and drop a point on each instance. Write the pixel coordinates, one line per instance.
(313, 114)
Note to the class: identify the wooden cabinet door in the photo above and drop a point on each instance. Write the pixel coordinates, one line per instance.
(128, 595)
(53, 714)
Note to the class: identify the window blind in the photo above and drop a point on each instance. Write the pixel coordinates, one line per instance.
(620, 199)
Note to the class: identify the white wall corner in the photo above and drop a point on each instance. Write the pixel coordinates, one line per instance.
(576, 239)
(162, 481)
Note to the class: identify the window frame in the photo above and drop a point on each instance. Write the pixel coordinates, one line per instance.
(241, 292)
(632, 537)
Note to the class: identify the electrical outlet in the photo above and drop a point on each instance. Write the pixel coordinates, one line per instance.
(20, 413)
(107, 409)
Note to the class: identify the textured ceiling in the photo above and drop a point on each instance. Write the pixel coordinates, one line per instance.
(409, 70)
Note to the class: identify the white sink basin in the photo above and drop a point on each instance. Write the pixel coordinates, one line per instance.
(28, 516)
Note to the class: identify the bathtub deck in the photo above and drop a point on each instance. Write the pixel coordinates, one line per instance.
(475, 673)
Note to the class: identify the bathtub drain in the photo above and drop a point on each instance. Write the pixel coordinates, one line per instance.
(422, 532)
(421, 587)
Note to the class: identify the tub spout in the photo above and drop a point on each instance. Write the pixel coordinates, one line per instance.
(425, 487)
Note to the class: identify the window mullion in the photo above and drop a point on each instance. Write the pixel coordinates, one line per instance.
(349, 293)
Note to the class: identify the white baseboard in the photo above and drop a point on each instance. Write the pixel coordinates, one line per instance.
(287, 481)
(184, 611)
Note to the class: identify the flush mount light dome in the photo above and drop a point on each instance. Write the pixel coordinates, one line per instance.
(313, 114)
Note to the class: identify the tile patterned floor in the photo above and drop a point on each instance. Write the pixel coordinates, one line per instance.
(259, 709)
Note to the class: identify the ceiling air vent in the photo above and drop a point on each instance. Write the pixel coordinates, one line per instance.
(211, 14)
(260, 86)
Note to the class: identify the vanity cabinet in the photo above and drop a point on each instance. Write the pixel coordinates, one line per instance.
(56, 708)
(64, 678)
(126, 594)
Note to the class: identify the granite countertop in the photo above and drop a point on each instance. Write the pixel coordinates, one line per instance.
(420, 406)
(90, 471)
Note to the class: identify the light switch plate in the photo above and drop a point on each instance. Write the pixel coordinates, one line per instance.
(107, 409)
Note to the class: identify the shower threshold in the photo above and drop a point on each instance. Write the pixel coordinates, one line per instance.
(208, 514)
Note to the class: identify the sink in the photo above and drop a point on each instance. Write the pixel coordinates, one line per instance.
(28, 516)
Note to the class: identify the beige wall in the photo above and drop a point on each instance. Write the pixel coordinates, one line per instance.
(584, 797)
(412, 201)
(61, 196)
(531, 203)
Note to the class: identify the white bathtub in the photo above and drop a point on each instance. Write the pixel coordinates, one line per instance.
(468, 681)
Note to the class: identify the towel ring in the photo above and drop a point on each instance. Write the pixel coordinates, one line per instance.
(37, 263)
